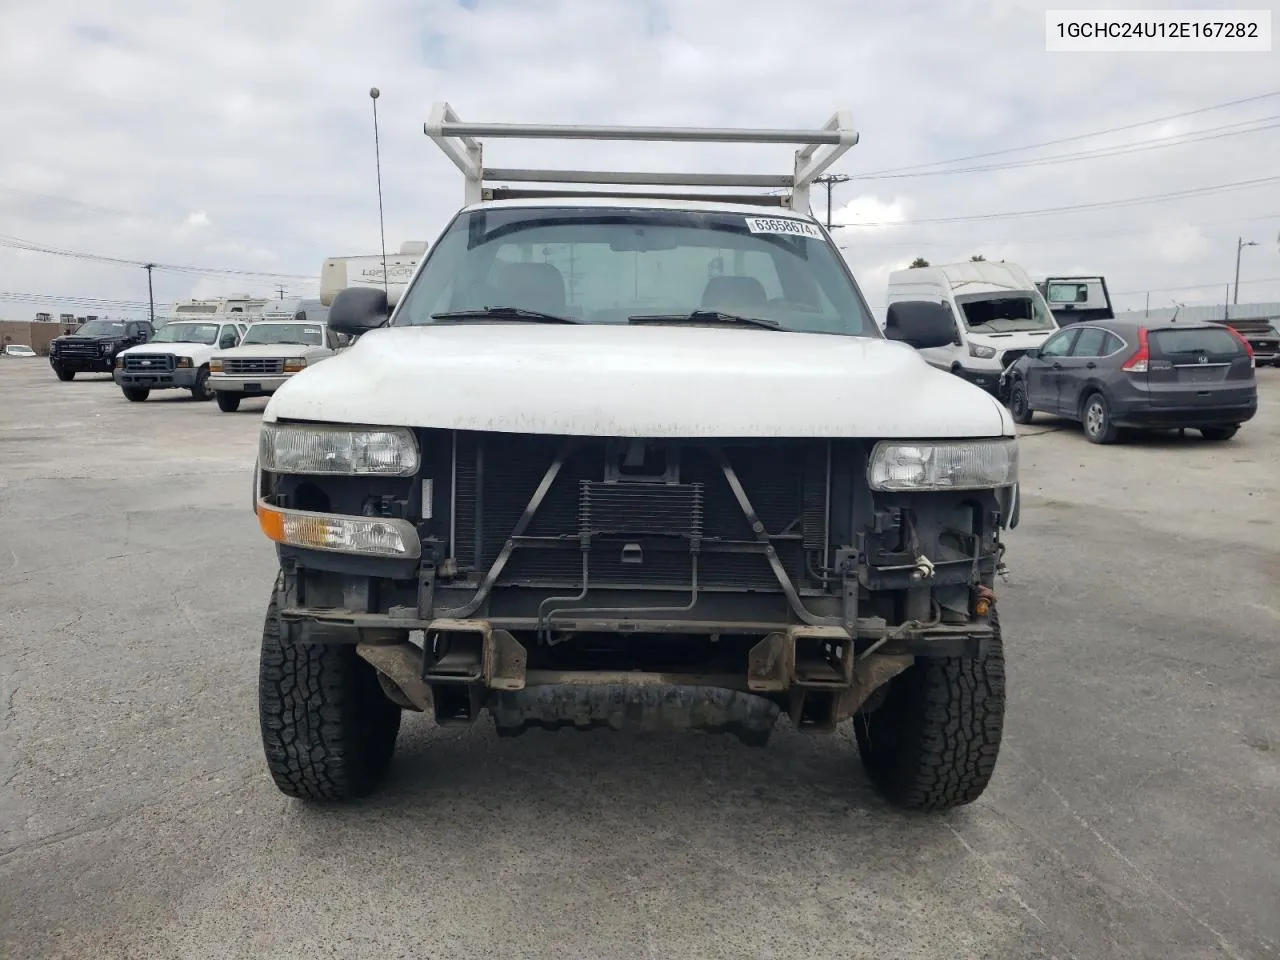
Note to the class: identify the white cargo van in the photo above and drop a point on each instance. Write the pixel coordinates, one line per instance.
(999, 315)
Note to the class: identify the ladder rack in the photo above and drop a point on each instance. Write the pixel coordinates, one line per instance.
(819, 149)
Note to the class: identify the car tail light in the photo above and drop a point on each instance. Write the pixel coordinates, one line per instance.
(1248, 347)
(1139, 361)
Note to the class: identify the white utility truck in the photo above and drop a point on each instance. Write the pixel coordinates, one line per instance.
(177, 357)
(271, 352)
(997, 315)
(634, 457)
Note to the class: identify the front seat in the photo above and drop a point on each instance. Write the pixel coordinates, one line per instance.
(731, 294)
(530, 286)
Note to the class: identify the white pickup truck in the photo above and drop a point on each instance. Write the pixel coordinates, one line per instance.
(176, 357)
(635, 460)
(270, 353)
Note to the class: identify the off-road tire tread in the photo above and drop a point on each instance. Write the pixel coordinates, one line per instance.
(64, 375)
(227, 402)
(943, 720)
(328, 730)
(135, 394)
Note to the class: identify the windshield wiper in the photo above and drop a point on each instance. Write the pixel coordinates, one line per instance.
(705, 316)
(502, 313)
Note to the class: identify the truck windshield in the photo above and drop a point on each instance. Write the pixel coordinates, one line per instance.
(205, 333)
(611, 265)
(101, 328)
(300, 333)
(1013, 312)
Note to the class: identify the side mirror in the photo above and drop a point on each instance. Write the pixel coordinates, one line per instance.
(1032, 353)
(356, 310)
(920, 324)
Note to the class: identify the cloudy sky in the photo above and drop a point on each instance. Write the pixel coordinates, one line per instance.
(237, 139)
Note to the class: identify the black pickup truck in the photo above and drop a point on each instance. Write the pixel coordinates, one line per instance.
(1262, 335)
(94, 345)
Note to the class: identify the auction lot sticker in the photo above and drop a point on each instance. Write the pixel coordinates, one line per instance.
(785, 225)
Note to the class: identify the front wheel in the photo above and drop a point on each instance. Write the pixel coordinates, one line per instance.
(1219, 434)
(200, 390)
(135, 394)
(933, 743)
(328, 730)
(1098, 427)
(1019, 406)
(64, 374)
(228, 402)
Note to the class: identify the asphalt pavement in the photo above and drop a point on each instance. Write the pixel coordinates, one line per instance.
(1135, 810)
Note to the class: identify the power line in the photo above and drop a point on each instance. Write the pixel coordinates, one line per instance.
(1078, 207)
(1079, 136)
(1156, 143)
(18, 243)
(1194, 286)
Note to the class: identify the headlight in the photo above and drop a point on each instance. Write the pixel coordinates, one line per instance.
(981, 352)
(323, 449)
(215, 366)
(294, 364)
(373, 536)
(944, 465)
(119, 362)
(105, 347)
(184, 362)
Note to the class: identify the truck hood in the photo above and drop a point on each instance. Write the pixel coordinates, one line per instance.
(1018, 340)
(616, 380)
(271, 350)
(177, 348)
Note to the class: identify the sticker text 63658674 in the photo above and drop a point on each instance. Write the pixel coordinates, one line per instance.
(784, 225)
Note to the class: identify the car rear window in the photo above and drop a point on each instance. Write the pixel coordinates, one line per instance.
(1221, 343)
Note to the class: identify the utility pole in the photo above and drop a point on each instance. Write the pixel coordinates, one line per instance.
(374, 93)
(281, 289)
(1148, 311)
(829, 179)
(151, 297)
(1241, 243)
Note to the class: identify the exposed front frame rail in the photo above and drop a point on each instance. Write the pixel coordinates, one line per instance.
(819, 149)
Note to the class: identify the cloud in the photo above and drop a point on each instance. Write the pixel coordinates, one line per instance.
(252, 150)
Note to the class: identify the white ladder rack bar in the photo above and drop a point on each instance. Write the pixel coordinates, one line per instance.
(639, 178)
(819, 150)
(534, 131)
(516, 193)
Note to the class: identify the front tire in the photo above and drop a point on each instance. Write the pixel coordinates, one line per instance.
(1219, 434)
(64, 375)
(1096, 417)
(200, 390)
(933, 743)
(228, 402)
(135, 394)
(1019, 407)
(328, 730)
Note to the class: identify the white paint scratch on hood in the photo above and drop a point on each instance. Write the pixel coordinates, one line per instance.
(657, 381)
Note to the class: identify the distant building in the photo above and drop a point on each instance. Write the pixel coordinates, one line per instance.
(34, 334)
